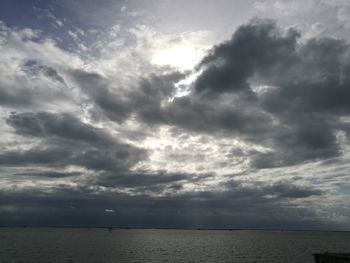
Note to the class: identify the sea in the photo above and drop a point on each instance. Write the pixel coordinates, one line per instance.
(83, 245)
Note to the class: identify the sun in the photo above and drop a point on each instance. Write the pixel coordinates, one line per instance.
(183, 57)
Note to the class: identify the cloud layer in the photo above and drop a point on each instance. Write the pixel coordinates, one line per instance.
(252, 137)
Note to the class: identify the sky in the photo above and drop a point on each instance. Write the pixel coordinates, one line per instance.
(175, 114)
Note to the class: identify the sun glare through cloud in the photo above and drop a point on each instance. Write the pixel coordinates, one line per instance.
(183, 57)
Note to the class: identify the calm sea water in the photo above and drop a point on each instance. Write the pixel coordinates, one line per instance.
(99, 245)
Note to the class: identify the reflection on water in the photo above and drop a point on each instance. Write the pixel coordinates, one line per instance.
(102, 245)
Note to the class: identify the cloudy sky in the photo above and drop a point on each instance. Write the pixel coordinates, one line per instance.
(159, 113)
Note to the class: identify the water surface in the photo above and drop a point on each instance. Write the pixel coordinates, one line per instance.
(99, 245)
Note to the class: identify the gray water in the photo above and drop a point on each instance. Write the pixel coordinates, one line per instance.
(99, 245)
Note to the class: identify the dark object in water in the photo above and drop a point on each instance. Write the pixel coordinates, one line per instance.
(332, 258)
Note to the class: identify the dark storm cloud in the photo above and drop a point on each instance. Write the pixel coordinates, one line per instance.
(145, 181)
(278, 190)
(66, 126)
(68, 141)
(311, 76)
(239, 207)
(152, 92)
(139, 179)
(297, 116)
(53, 156)
(201, 114)
(115, 106)
(116, 157)
(288, 190)
(48, 174)
(119, 103)
(149, 103)
(301, 142)
(322, 83)
(256, 47)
